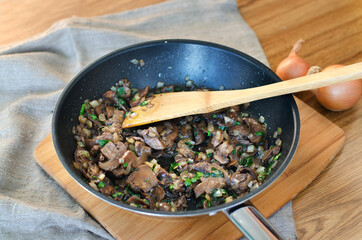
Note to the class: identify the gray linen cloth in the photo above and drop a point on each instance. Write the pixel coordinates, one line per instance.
(33, 74)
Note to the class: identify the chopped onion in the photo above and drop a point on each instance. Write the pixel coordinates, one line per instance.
(133, 114)
(134, 61)
(94, 103)
(160, 84)
(102, 117)
(114, 89)
(101, 176)
(93, 185)
(115, 137)
(82, 119)
(142, 63)
(130, 140)
(250, 148)
(81, 144)
(189, 83)
(217, 193)
(260, 170)
(229, 199)
(227, 120)
(261, 119)
(278, 142)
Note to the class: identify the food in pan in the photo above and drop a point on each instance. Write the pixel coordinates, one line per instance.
(191, 162)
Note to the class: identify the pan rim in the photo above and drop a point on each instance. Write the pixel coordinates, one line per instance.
(190, 213)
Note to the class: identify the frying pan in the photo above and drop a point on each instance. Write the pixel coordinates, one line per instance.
(209, 65)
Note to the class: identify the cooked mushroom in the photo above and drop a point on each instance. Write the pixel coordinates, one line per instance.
(209, 185)
(216, 154)
(152, 138)
(217, 138)
(143, 179)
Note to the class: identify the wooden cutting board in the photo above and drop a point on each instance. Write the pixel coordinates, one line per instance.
(320, 141)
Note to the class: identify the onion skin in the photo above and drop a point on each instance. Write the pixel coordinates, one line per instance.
(293, 66)
(341, 96)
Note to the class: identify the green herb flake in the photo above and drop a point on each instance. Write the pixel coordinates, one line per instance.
(196, 133)
(144, 103)
(82, 109)
(208, 204)
(189, 145)
(187, 182)
(208, 133)
(133, 99)
(277, 156)
(101, 184)
(95, 177)
(234, 151)
(146, 180)
(259, 133)
(209, 155)
(125, 165)
(171, 186)
(94, 117)
(118, 194)
(237, 123)
(223, 128)
(146, 201)
(121, 91)
(214, 115)
(173, 166)
(121, 102)
(102, 143)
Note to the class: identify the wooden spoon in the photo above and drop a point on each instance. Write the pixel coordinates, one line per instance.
(178, 104)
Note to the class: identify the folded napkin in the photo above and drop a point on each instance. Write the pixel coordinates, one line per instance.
(33, 74)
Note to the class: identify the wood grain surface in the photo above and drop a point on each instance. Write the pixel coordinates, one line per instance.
(320, 140)
(330, 208)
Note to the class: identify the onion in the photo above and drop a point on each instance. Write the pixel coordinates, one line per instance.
(293, 66)
(341, 96)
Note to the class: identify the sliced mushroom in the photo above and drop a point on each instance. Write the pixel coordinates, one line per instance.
(199, 136)
(143, 179)
(209, 185)
(152, 138)
(142, 92)
(158, 194)
(238, 182)
(217, 138)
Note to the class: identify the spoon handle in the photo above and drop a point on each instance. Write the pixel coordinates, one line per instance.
(313, 81)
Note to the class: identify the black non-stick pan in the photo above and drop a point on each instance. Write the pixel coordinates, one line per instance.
(171, 61)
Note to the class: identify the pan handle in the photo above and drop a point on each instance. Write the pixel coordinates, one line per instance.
(252, 224)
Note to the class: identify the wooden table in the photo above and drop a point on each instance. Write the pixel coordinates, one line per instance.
(331, 207)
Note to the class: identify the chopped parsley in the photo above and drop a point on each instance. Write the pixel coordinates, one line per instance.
(248, 161)
(209, 155)
(187, 182)
(102, 143)
(146, 180)
(216, 173)
(125, 165)
(82, 109)
(189, 145)
(121, 102)
(277, 156)
(234, 151)
(259, 133)
(223, 128)
(121, 91)
(144, 103)
(173, 166)
(95, 177)
(171, 186)
(146, 201)
(237, 123)
(214, 115)
(94, 117)
(196, 133)
(118, 194)
(208, 133)
(101, 184)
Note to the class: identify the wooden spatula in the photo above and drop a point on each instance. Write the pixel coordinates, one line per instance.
(178, 104)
